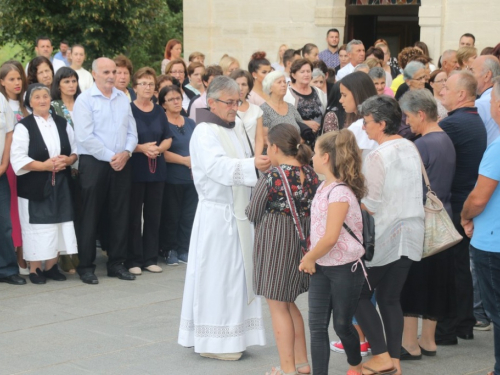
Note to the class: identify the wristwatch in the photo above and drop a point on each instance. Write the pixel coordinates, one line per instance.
(129, 153)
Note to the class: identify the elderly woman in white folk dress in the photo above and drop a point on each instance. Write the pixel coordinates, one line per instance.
(43, 149)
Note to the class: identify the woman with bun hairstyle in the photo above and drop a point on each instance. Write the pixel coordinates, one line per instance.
(277, 248)
(259, 67)
(334, 261)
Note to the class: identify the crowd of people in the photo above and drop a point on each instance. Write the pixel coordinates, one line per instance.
(261, 181)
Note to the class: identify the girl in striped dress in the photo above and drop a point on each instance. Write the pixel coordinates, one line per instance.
(277, 250)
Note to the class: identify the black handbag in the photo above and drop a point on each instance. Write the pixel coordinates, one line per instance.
(368, 233)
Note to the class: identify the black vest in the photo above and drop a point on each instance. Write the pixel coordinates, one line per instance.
(33, 185)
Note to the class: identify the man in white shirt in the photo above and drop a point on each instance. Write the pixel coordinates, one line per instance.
(485, 69)
(43, 47)
(8, 262)
(356, 51)
(85, 80)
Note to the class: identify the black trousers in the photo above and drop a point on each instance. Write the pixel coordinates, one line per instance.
(463, 324)
(8, 259)
(334, 291)
(101, 186)
(145, 199)
(389, 281)
(178, 211)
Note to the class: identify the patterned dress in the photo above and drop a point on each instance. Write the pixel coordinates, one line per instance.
(277, 251)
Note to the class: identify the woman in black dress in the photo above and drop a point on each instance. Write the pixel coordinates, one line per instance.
(430, 286)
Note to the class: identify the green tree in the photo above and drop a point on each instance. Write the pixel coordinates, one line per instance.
(137, 28)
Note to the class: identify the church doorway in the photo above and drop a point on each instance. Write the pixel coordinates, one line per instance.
(396, 21)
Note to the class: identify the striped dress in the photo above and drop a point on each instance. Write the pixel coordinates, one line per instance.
(277, 251)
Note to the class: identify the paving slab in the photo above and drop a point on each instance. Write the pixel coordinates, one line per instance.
(130, 327)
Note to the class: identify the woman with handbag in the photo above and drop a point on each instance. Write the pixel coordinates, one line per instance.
(334, 260)
(394, 181)
(282, 198)
(430, 287)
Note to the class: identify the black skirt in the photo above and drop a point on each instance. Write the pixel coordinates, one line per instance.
(57, 207)
(429, 291)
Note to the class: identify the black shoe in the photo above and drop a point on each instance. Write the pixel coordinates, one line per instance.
(428, 353)
(54, 274)
(13, 279)
(89, 278)
(447, 342)
(405, 356)
(37, 278)
(122, 273)
(466, 336)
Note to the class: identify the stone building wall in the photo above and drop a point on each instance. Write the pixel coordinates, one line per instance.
(241, 27)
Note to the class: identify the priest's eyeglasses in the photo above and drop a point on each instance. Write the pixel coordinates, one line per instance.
(230, 103)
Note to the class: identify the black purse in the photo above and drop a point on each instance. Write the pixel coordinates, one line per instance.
(368, 233)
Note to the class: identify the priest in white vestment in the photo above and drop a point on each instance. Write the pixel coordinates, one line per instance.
(220, 315)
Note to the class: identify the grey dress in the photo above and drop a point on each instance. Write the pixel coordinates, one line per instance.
(271, 118)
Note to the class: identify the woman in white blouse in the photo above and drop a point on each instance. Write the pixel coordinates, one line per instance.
(43, 149)
(394, 182)
(250, 114)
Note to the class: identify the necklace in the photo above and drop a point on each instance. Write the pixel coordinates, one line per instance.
(180, 129)
(54, 173)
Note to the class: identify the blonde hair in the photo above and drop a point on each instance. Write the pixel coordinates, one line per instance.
(226, 61)
(464, 54)
(280, 59)
(345, 159)
(373, 62)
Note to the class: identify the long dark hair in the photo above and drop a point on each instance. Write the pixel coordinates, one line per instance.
(361, 87)
(33, 68)
(8, 67)
(64, 72)
(287, 138)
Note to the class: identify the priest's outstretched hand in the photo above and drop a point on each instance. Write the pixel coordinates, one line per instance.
(262, 162)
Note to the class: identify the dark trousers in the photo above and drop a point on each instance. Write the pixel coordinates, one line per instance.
(145, 199)
(389, 281)
(463, 324)
(101, 186)
(488, 276)
(334, 290)
(8, 259)
(178, 211)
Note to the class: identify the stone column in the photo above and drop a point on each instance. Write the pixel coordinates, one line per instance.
(329, 14)
(431, 19)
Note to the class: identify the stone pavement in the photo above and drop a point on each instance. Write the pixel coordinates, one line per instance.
(130, 327)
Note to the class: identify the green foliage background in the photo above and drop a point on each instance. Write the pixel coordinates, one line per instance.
(137, 28)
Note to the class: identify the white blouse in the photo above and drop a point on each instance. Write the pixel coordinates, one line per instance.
(394, 180)
(21, 140)
(364, 143)
(249, 119)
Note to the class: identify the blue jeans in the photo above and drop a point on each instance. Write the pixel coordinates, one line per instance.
(334, 290)
(8, 260)
(479, 312)
(488, 276)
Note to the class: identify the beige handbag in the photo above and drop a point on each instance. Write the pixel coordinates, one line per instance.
(440, 233)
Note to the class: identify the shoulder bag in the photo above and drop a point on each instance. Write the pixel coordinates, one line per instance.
(440, 233)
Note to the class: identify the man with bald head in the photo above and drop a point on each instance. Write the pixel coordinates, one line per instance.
(468, 134)
(449, 61)
(485, 69)
(106, 136)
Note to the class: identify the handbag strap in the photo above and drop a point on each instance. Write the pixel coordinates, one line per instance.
(291, 203)
(424, 172)
(346, 227)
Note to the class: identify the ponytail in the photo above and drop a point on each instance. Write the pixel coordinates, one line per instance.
(287, 138)
(345, 159)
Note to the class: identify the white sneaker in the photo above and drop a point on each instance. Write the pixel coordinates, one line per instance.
(153, 268)
(223, 356)
(135, 271)
(24, 271)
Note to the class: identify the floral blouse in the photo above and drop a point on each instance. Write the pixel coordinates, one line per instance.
(303, 194)
(62, 111)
